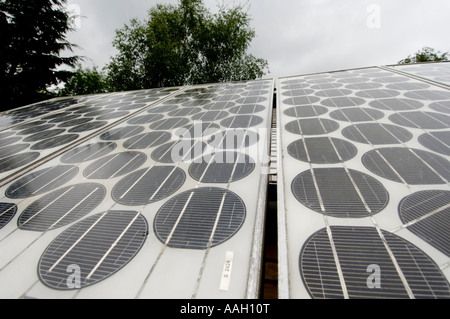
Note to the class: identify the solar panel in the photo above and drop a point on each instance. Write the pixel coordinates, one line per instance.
(147, 201)
(363, 184)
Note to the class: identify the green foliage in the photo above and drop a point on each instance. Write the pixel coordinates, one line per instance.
(85, 81)
(426, 54)
(32, 36)
(184, 44)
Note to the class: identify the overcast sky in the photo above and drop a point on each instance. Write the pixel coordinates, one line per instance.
(295, 36)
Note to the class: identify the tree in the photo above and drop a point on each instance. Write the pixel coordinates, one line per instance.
(85, 81)
(32, 39)
(426, 54)
(184, 44)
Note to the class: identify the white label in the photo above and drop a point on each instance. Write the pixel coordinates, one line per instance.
(226, 274)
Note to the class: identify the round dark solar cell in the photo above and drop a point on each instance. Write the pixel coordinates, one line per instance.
(162, 109)
(54, 142)
(222, 167)
(242, 121)
(357, 115)
(64, 118)
(247, 109)
(234, 139)
(7, 212)
(443, 106)
(298, 92)
(326, 86)
(98, 247)
(9, 140)
(377, 93)
(188, 111)
(391, 79)
(12, 149)
(44, 135)
(427, 214)
(147, 140)
(35, 129)
(210, 116)
(80, 121)
(339, 192)
(407, 86)
(131, 107)
(429, 95)
(145, 119)
(377, 134)
(437, 141)
(41, 181)
(121, 133)
(364, 86)
(16, 161)
(197, 130)
(184, 151)
(344, 101)
(322, 150)
(219, 106)
(148, 185)
(88, 127)
(200, 218)
(301, 100)
(306, 111)
(28, 125)
(295, 86)
(111, 116)
(168, 124)
(115, 165)
(411, 166)
(396, 104)
(61, 207)
(312, 126)
(333, 93)
(359, 251)
(423, 120)
(88, 152)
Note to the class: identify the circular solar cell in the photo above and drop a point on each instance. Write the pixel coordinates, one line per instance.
(227, 97)
(64, 118)
(111, 116)
(326, 86)
(200, 218)
(443, 106)
(197, 130)
(148, 185)
(306, 111)
(145, 119)
(100, 246)
(121, 133)
(234, 139)
(168, 124)
(7, 212)
(301, 100)
(411, 166)
(357, 114)
(333, 93)
(437, 141)
(391, 79)
(219, 106)
(316, 126)
(222, 167)
(377, 134)
(12, 149)
(41, 181)
(210, 116)
(322, 150)
(115, 165)
(54, 142)
(298, 92)
(247, 109)
(427, 214)
(197, 102)
(98, 112)
(16, 161)
(343, 101)
(364, 86)
(131, 107)
(80, 121)
(242, 121)
(88, 127)
(428, 95)
(44, 135)
(162, 109)
(28, 125)
(423, 120)
(377, 93)
(356, 250)
(296, 86)
(9, 140)
(340, 192)
(188, 111)
(184, 151)
(35, 129)
(88, 152)
(147, 140)
(407, 86)
(61, 207)
(396, 104)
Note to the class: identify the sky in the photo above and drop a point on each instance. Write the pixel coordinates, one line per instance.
(295, 36)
